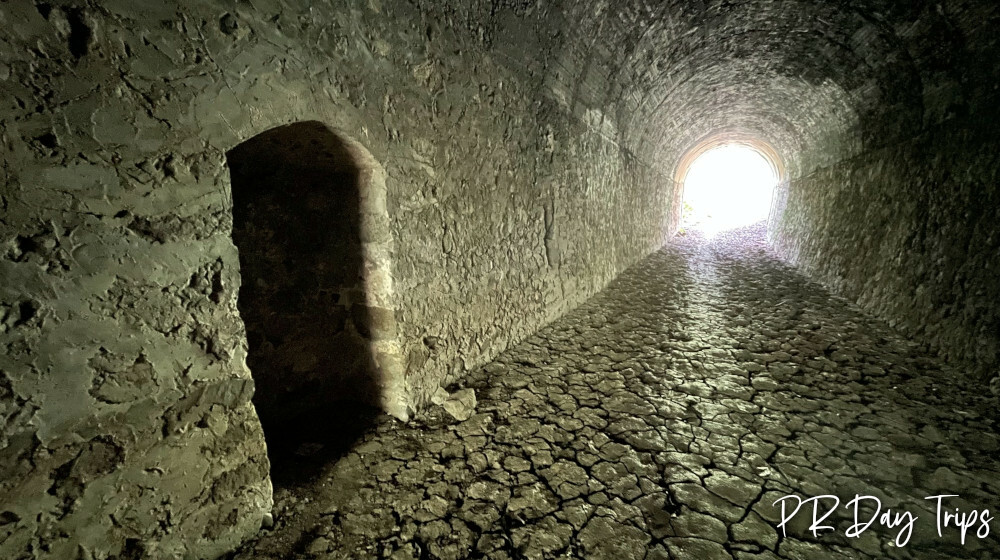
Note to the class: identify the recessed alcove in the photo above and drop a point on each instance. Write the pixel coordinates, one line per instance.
(312, 245)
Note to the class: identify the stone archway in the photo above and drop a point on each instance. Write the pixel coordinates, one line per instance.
(312, 229)
(713, 141)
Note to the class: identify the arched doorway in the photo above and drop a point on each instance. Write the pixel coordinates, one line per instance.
(310, 223)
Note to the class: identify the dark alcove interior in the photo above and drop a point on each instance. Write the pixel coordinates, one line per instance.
(296, 223)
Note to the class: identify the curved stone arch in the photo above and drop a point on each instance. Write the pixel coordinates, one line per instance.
(376, 243)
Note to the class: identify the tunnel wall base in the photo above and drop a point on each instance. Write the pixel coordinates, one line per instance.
(909, 232)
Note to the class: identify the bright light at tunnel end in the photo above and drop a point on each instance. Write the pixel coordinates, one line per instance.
(727, 187)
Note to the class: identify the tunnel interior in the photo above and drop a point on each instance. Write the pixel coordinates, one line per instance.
(470, 225)
(297, 226)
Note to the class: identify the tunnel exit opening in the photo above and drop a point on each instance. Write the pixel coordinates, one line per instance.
(728, 183)
(310, 225)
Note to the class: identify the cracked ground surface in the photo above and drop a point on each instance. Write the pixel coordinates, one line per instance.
(662, 419)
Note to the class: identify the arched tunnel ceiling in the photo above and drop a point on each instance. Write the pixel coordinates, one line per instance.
(820, 81)
(806, 77)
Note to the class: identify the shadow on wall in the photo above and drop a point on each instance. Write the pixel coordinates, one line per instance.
(297, 222)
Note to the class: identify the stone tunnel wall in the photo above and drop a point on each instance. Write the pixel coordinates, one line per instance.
(127, 428)
(910, 232)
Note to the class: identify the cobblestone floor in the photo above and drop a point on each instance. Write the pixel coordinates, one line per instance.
(662, 419)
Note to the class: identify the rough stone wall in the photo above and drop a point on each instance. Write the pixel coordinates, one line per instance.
(576, 221)
(128, 429)
(911, 232)
(905, 222)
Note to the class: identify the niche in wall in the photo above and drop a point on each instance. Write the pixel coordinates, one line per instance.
(310, 225)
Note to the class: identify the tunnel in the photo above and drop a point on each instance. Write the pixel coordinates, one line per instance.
(418, 279)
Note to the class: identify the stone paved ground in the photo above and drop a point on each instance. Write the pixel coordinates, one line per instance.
(662, 419)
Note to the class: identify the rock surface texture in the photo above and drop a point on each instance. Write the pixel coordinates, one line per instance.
(508, 159)
(910, 232)
(662, 419)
